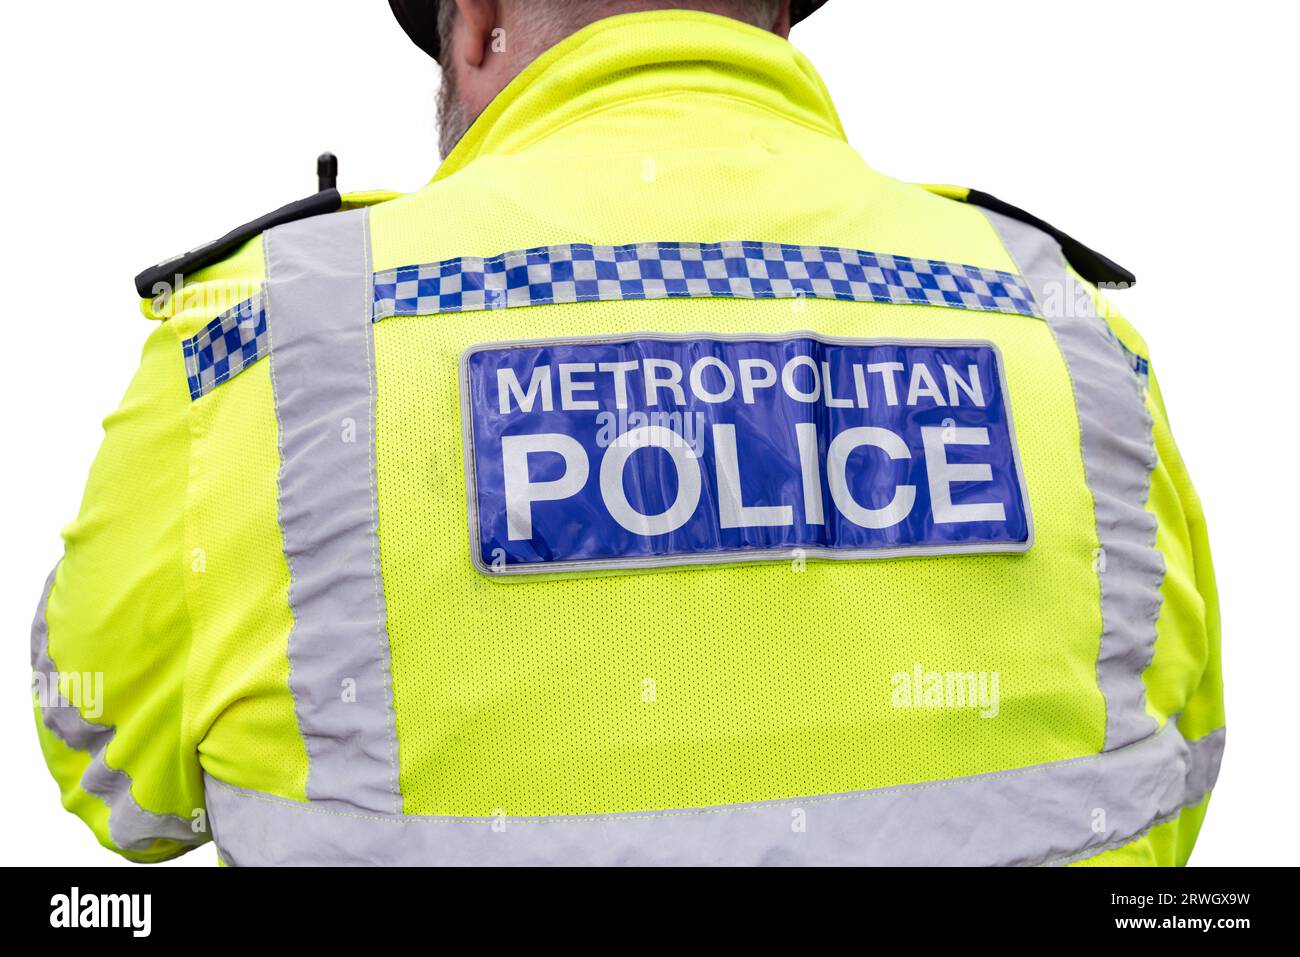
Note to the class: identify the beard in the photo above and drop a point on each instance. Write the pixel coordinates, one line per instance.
(453, 118)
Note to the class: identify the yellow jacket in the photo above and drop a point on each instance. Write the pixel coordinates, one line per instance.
(660, 484)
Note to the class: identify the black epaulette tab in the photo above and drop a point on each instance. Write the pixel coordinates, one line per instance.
(328, 200)
(1090, 264)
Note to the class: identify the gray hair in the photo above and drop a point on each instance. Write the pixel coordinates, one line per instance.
(544, 23)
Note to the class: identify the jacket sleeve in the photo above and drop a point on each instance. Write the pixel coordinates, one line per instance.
(111, 637)
(1201, 712)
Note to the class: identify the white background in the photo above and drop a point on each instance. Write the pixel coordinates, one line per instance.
(1161, 133)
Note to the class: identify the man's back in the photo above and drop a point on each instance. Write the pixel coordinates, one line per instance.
(660, 484)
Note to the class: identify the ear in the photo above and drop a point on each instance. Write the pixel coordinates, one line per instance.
(782, 25)
(474, 22)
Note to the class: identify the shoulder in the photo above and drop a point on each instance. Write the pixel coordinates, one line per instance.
(169, 274)
(211, 298)
(235, 257)
(1090, 264)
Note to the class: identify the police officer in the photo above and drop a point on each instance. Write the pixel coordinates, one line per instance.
(660, 484)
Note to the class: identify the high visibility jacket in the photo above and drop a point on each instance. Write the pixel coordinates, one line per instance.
(660, 484)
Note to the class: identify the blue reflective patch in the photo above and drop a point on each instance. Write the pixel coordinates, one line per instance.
(657, 450)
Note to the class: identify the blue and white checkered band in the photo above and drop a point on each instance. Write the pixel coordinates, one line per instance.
(226, 346)
(580, 272)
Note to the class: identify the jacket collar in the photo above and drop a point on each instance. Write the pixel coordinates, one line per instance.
(642, 55)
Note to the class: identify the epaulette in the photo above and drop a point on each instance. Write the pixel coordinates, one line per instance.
(326, 200)
(1098, 269)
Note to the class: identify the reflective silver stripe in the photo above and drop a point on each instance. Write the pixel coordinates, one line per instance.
(1118, 456)
(318, 299)
(130, 826)
(1047, 814)
(317, 295)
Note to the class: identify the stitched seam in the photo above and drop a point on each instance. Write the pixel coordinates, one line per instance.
(384, 311)
(381, 632)
(196, 392)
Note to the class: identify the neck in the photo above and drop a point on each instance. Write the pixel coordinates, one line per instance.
(642, 54)
(487, 51)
